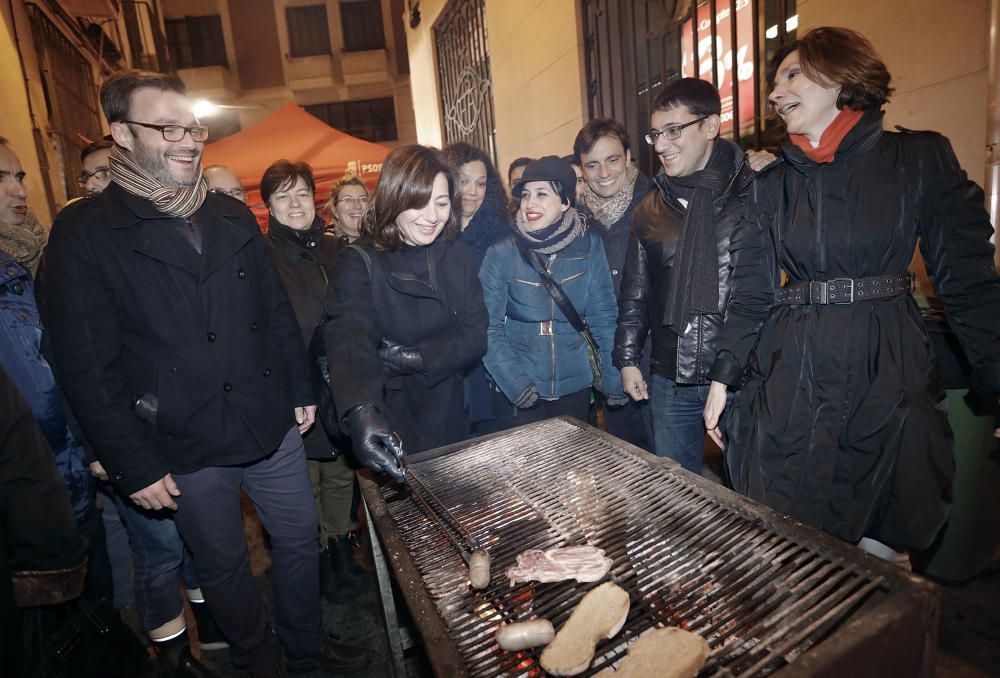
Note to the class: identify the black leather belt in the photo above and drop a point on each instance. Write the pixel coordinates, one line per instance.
(845, 290)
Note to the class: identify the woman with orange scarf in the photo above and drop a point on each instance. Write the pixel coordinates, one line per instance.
(841, 421)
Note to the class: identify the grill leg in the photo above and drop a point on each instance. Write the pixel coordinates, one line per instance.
(393, 631)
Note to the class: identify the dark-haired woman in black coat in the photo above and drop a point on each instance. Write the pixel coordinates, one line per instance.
(405, 315)
(841, 419)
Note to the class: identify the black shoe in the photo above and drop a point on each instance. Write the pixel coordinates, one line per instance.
(345, 570)
(210, 638)
(189, 667)
(329, 585)
(335, 657)
(175, 659)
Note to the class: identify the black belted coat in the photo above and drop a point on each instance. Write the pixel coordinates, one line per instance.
(427, 297)
(132, 308)
(841, 420)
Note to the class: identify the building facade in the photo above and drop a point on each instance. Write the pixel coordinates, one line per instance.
(553, 64)
(55, 56)
(344, 61)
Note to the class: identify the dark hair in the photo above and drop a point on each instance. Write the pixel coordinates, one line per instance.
(594, 131)
(459, 153)
(523, 161)
(406, 183)
(94, 147)
(282, 173)
(842, 57)
(564, 198)
(117, 91)
(700, 96)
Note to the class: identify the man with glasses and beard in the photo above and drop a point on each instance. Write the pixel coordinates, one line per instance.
(178, 349)
(676, 281)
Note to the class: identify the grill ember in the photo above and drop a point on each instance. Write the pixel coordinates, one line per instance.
(767, 594)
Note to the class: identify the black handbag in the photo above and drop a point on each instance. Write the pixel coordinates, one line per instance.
(80, 638)
(568, 310)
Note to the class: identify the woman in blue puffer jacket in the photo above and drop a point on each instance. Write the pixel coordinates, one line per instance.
(536, 360)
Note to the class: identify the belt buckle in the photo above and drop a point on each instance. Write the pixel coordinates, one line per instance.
(850, 299)
(823, 296)
(545, 328)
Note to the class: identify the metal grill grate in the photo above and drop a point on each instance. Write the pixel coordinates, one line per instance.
(760, 596)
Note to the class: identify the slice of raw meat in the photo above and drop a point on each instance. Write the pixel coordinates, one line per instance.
(583, 563)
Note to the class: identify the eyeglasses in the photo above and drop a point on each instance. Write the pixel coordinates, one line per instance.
(199, 133)
(669, 133)
(237, 193)
(360, 202)
(101, 174)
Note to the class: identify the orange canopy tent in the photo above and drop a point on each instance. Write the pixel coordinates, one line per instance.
(295, 135)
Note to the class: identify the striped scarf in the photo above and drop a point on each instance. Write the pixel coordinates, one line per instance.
(177, 202)
(607, 211)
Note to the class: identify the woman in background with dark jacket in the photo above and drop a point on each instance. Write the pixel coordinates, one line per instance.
(485, 219)
(483, 205)
(537, 360)
(405, 312)
(304, 257)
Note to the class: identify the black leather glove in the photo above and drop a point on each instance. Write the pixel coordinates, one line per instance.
(528, 397)
(375, 444)
(398, 359)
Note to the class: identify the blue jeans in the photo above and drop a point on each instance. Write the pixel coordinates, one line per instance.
(678, 424)
(211, 521)
(158, 560)
(632, 422)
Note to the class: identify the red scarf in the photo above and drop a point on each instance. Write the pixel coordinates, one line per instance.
(830, 140)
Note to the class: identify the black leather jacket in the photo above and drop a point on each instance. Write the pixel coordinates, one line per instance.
(656, 227)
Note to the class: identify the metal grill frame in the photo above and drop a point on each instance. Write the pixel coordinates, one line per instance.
(893, 633)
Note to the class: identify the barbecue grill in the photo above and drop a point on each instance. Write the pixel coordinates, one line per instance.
(770, 595)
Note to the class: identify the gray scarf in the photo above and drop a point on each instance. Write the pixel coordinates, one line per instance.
(554, 237)
(25, 242)
(177, 202)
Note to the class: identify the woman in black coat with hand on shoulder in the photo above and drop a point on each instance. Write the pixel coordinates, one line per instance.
(405, 315)
(841, 419)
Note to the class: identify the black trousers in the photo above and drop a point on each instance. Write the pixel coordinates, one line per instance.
(507, 416)
(99, 585)
(210, 521)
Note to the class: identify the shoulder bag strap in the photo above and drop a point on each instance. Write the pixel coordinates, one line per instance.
(556, 292)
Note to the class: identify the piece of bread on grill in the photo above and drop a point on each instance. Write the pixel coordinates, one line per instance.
(669, 652)
(601, 614)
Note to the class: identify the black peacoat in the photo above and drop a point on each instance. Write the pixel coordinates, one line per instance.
(304, 260)
(427, 297)
(840, 422)
(133, 309)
